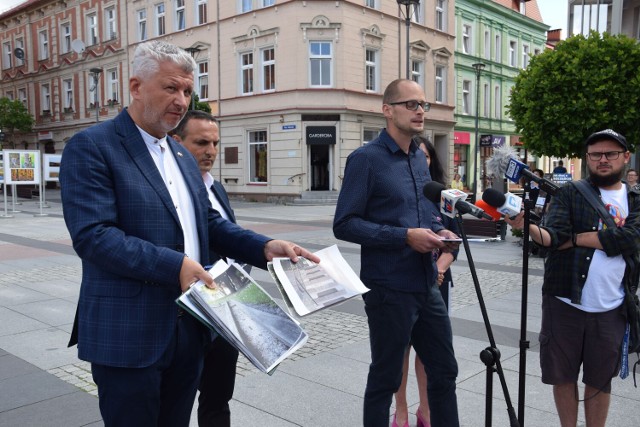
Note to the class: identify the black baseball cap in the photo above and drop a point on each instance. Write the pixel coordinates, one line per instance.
(607, 134)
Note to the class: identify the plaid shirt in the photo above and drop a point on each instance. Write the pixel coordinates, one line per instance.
(566, 271)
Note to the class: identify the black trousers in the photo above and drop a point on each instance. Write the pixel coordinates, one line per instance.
(161, 394)
(216, 384)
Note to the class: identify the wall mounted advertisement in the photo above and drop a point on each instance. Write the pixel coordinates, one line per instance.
(52, 167)
(21, 166)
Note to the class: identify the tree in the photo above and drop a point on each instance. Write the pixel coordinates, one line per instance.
(14, 118)
(200, 105)
(585, 85)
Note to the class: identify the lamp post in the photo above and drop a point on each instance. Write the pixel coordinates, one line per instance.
(96, 76)
(478, 66)
(193, 50)
(409, 5)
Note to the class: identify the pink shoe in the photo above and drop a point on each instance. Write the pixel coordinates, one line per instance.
(421, 421)
(395, 424)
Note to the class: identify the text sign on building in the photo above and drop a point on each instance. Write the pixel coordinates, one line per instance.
(485, 140)
(321, 135)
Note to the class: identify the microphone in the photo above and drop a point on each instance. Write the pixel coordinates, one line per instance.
(490, 210)
(504, 162)
(451, 201)
(507, 204)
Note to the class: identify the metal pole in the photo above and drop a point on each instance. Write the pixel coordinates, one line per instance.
(408, 21)
(478, 67)
(476, 159)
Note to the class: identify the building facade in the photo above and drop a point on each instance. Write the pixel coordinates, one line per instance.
(297, 85)
(501, 35)
(66, 61)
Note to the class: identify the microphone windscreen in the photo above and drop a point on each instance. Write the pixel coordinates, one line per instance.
(488, 209)
(497, 164)
(494, 197)
(432, 191)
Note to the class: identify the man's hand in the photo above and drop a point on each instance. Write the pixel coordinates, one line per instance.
(423, 240)
(282, 248)
(517, 223)
(449, 246)
(191, 272)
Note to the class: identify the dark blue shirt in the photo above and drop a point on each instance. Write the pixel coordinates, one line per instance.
(381, 198)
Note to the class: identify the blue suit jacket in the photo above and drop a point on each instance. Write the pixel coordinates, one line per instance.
(223, 198)
(126, 230)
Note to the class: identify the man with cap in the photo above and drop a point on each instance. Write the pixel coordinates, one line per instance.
(583, 315)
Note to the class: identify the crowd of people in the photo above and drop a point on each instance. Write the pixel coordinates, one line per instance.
(145, 216)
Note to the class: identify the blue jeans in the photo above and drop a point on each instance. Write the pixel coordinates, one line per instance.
(395, 318)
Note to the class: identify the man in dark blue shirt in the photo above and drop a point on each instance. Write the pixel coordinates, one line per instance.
(381, 207)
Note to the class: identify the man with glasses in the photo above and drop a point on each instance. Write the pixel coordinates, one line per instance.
(632, 178)
(583, 315)
(381, 207)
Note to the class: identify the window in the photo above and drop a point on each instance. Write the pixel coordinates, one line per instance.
(497, 103)
(513, 59)
(246, 68)
(371, 3)
(202, 11)
(112, 86)
(160, 28)
(6, 55)
(180, 20)
(92, 29)
(416, 14)
(266, 3)
(441, 15)
(9, 95)
(19, 45)
(22, 96)
(536, 52)
(369, 135)
(268, 69)
(320, 58)
(94, 89)
(498, 48)
(142, 24)
(67, 87)
(203, 80)
(43, 38)
(487, 101)
(258, 156)
(525, 55)
(487, 45)
(111, 30)
(466, 38)
(441, 85)
(45, 99)
(466, 97)
(417, 71)
(246, 5)
(371, 70)
(65, 40)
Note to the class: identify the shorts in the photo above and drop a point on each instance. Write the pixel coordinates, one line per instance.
(570, 337)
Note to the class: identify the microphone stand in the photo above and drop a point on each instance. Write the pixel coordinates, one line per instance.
(524, 343)
(491, 355)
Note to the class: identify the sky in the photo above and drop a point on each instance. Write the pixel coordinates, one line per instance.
(554, 12)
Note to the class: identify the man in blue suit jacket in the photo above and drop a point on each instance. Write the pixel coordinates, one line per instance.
(139, 218)
(198, 132)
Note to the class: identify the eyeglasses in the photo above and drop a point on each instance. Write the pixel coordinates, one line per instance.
(413, 105)
(610, 155)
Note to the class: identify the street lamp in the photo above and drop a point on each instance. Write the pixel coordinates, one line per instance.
(96, 76)
(410, 6)
(193, 50)
(478, 66)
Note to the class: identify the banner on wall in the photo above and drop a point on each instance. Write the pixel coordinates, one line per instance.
(21, 166)
(51, 167)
